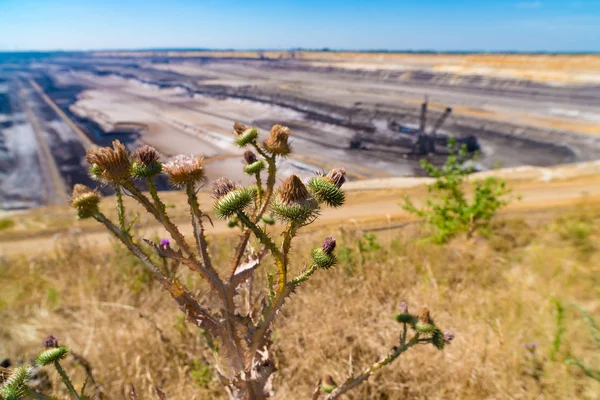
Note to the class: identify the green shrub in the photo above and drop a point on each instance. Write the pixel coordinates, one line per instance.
(448, 210)
(6, 223)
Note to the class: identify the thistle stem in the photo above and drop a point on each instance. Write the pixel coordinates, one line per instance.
(154, 193)
(303, 277)
(262, 236)
(66, 380)
(198, 227)
(120, 209)
(259, 189)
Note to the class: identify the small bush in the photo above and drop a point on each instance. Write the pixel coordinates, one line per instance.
(448, 210)
(6, 223)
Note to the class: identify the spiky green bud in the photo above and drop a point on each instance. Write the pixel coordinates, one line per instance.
(85, 201)
(139, 170)
(438, 340)
(146, 162)
(255, 167)
(321, 259)
(405, 318)
(267, 220)
(325, 191)
(293, 202)
(52, 355)
(234, 201)
(425, 328)
(14, 387)
(248, 136)
(296, 212)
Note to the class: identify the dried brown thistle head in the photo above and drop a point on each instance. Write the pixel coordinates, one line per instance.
(239, 128)
(424, 316)
(277, 142)
(109, 164)
(184, 169)
(293, 191)
(146, 155)
(222, 186)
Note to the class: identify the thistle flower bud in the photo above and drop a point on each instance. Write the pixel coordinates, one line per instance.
(165, 242)
(146, 162)
(245, 134)
(230, 199)
(239, 128)
(293, 202)
(253, 165)
(425, 323)
(109, 165)
(50, 342)
(184, 169)
(277, 142)
(326, 190)
(85, 201)
(448, 337)
(249, 157)
(14, 387)
(437, 339)
(404, 317)
(328, 384)
(329, 245)
(52, 355)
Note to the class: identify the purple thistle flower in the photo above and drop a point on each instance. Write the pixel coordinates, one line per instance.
(329, 245)
(50, 342)
(165, 242)
(404, 308)
(448, 337)
(531, 347)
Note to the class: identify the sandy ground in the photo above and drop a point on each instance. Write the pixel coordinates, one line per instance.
(369, 202)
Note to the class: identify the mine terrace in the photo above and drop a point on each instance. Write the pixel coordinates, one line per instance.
(376, 114)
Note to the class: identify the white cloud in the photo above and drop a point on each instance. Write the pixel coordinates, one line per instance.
(530, 4)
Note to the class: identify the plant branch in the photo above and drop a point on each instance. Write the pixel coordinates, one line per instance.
(187, 303)
(198, 227)
(120, 208)
(351, 383)
(66, 380)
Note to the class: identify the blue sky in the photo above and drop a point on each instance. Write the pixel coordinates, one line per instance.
(526, 25)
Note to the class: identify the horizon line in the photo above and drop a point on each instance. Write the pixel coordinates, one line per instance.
(299, 49)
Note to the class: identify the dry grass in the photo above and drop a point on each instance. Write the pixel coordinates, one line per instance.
(494, 292)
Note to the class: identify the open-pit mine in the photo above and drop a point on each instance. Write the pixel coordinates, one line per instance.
(376, 114)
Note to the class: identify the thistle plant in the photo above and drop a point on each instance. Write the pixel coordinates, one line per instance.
(239, 323)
